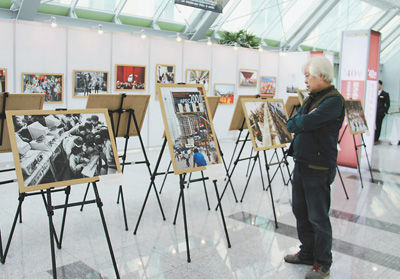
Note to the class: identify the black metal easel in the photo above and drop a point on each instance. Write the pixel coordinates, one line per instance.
(132, 115)
(181, 200)
(50, 212)
(358, 161)
(2, 119)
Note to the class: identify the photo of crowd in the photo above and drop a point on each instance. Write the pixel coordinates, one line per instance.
(355, 116)
(248, 78)
(198, 77)
(89, 82)
(3, 80)
(49, 84)
(165, 74)
(190, 131)
(268, 86)
(130, 77)
(267, 121)
(63, 147)
(226, 92)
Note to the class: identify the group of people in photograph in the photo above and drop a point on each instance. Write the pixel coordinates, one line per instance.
(85, 143)
(356, 117)
(166, 78)
(90, 82)
(130, 85)
(197, 156)
(279, 119)
(51, 86)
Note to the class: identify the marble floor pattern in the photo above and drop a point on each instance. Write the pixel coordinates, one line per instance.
(366, 226)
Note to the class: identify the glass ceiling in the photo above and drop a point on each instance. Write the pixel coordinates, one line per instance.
(273, 21)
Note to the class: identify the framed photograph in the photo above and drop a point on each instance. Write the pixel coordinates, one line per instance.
(267, 121)
(198, 77)
(355, 116)
(226, 92)
(15, 101)
(238, 121)
(130, 77)
(3, 80)
(188, 127)
(248, 78)
(292, 105)
(89, 82)
(303, 95)
(52, 85)
(268, 86)
(61, 148)
(165, 73)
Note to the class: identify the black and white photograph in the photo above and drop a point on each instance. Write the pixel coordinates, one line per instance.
(89, 82)
(58, 149)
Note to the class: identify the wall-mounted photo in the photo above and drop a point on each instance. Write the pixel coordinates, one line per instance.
(165, 73)
(55, 148)
(130, 77)
(52, 85)
(355, 116)
(303, 95)
(226, 92)
(198, 77)
(268, 86)
(188, 127)
(3, 80)
(267, 121)
(248, 78)
(89, 82)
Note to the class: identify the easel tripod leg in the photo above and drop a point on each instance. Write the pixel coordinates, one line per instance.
(249, 177)
(103, 220)
(50, 213)
(85, 196)
(270, 190)
(341, 180)
(205, 189)
(222, 214)
(121, 193)
(165, 176)
(184, 217)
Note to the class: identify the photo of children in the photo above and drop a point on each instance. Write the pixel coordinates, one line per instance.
(49, 84)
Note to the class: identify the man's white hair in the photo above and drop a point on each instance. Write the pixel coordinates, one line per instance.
(320, 66)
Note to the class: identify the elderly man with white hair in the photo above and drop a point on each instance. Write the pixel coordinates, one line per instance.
(316, 127)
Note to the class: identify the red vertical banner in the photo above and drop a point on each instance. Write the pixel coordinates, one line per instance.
(353, 73)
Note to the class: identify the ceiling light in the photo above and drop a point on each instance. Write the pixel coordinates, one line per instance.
(236, 46)
(100, 31)
(143, 35)
(178, 37)
(260, 49)
(53, 22)
(209, 42)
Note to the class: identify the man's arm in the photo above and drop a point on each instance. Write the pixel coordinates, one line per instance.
(387, 102)
(327, 111)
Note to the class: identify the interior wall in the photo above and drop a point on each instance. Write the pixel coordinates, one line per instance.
(38, 48)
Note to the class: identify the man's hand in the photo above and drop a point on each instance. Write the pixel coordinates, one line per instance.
(312, 111)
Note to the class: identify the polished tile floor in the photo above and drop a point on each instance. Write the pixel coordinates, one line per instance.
(366, 226)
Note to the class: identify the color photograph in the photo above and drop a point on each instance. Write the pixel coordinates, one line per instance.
(267, 120)
(248, 78)
(89, 82)
(268, 86)
(226, 92)
(198, 77)
(52, 85)
(165, 73)
(355, 116)
(52, 148)
(188, 127)
(3, 80)
(130, 77)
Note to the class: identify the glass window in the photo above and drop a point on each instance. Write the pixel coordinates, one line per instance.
(105, 5)
(393, 24)
(61, 2)
(177, 13)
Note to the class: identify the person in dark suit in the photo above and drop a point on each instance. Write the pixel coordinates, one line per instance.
(382, 109)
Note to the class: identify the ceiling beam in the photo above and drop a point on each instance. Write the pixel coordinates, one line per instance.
(72, 10)
(118, 11)
(312, 21)
(225, 16)
(384, 19)
(207, 20)
(253, 18)
(158, 14)
(28, 9)
(390, 38)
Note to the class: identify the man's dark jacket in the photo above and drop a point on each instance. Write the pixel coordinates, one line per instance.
(383, 103)
(317, 132)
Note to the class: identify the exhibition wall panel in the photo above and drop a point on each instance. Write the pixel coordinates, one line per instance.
(7, 53)
(165, 52)
(87, 51)
(224, 71)
(291, 76)
(40, 48)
